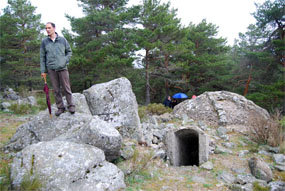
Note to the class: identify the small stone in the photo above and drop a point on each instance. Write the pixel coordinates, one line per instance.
(207, 165)
(279, 159)
(243, 153)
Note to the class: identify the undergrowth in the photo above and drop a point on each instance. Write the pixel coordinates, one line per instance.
(137, 169)
(30, 183)
(257, 187)
(267, 131)
(5, 182)
(23, 109)
(153, 109)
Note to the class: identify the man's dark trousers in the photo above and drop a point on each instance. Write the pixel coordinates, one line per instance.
(61, 78)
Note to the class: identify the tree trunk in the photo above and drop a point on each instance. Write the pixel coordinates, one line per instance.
(248, 82)
(247, 85)
(147, 87)
(166, 63)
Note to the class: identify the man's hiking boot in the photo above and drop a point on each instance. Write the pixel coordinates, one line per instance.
(71, 109)
(59, 112)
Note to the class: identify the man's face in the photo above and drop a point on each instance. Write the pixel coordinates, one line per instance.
(50, 30)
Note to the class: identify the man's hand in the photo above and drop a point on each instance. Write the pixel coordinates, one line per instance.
(44, 75)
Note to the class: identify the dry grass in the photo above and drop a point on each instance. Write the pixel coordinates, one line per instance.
(8, 126)
(267, 131)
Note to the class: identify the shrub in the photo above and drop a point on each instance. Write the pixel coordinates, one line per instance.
(267, 131)
(153, 109)
(23, 91)
(23, 109)
(42, 103)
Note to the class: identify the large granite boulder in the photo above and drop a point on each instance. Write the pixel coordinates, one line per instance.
(115, 102)
(66, 166)
(221, 108)
(98, 133)
(80, 127)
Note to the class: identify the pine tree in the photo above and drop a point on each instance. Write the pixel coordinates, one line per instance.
(20, 40)
(258, 74)
(206, 64)
(270, 19)
(104, 42)
(159, 38)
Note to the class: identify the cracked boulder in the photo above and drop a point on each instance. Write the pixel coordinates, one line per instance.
(98, 133)
(222, 108)
(61, 165)
(115, 102)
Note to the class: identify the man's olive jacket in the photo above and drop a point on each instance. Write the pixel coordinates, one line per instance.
(54, 55)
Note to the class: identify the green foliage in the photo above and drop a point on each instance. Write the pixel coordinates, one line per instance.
(153, 109)
(41, 101)
(207, 185)
(104, 45)
(19, 44)
(269, 96)
(206, 66)
(257, 187)
(161, 40)
(23, 109)
(158, 109)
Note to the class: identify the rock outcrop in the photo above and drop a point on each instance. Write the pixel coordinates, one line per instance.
(68, 152)
(61, 165)
(222, 108)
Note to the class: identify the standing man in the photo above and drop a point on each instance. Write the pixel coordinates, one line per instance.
(55, 54)
(167, 102)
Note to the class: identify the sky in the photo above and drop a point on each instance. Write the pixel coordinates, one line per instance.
(231, 16)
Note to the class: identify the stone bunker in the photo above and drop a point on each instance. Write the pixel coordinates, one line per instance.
(187, 147)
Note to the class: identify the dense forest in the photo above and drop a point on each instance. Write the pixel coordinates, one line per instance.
(148, 45)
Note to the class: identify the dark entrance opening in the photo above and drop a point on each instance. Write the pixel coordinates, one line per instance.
(188, 147)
